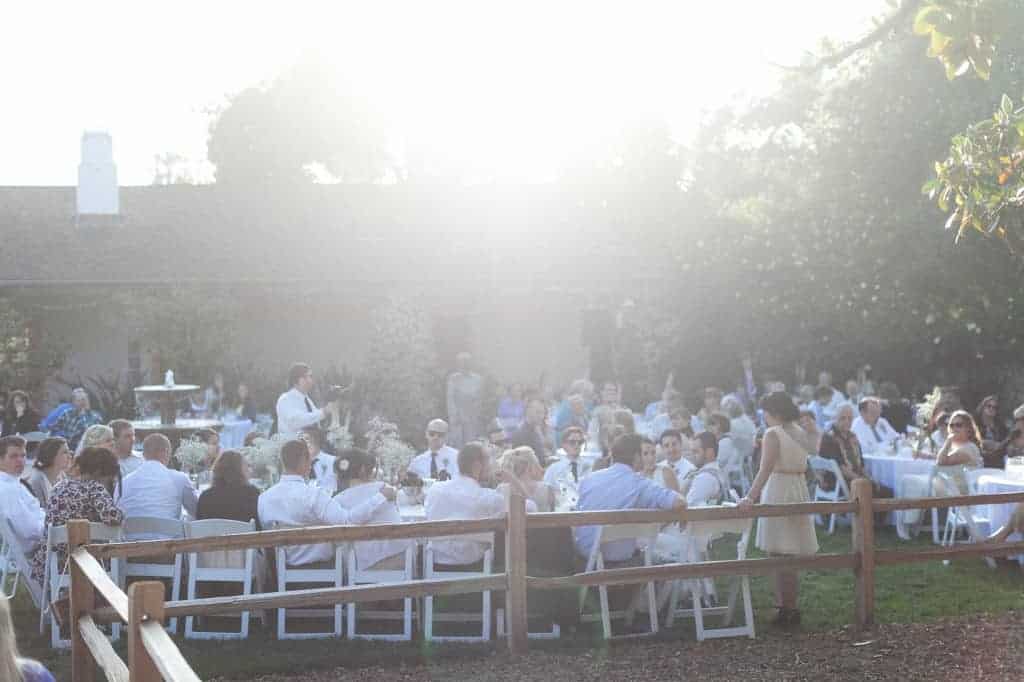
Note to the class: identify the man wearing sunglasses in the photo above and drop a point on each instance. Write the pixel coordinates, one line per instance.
(438, 461)
(569, 467)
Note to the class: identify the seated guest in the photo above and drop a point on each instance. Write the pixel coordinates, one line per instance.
(20, 417)
(96, 436)
(244, 406)
(211, 439)
(712, 404)
(53, 458)
(707, 484)
(251, 438)
(853, 391)
(624, 417)
(438, 461)
(17, 503)
(574, 415)
(73, 422)
(523, 464)
(841, 444)
(621, 486)
(1015, 443)
(496, 435)
(668, 397)
(463, 497)
(124, 446)
(293, 502)
(837, 399)
(809, 424)
(323, 463)
(533, 431)
(660, 473)
(86, 497)
(993, 430)
(728, 455)
(671, 442)
(822, 407)
(960, 452)
(155, 490)
(198, 407)
(873, 432)
(896, 409)
(231, 496)
(511, 407)
(50, 421)
(569, 466)
(13, 667)
(355, 470)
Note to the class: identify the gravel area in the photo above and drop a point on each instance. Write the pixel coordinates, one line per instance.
(972, 648)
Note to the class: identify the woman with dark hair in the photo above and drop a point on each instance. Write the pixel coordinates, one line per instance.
(244, 406)
(355, 469)
(20, 417)
(53, 458)
(992, 428)
(211, 439)
(86, 497)
(781, 480)
(231, 496)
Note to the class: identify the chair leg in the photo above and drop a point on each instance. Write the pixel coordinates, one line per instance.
(748, 608)
(698, 612)
(652, 605)
(486, 617)
(428, 618)
(935, 526)
(606, 620)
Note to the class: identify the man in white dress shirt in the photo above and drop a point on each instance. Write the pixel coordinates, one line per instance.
(464, 498)
(124, 443)
(570, 467)
(292, 501)
(17, 504)
(153, 489)
(872, 430)
(295, 409)
(438, 460)
(707, 484)
(322, 470)
(671, 442)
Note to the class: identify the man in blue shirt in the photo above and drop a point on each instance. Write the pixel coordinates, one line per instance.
(620, 486)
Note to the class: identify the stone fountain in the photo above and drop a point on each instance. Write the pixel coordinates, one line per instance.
(167, 396)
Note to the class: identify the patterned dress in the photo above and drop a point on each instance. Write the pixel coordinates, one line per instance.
(74, 499)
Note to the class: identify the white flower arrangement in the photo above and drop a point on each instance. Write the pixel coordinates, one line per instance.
(191, 454)
(383, 441)
(264, 455)
(339, 437)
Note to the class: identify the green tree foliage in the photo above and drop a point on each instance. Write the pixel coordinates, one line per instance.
(27, 352)
(307, 123)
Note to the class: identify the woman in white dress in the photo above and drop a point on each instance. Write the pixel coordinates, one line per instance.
(355, 469)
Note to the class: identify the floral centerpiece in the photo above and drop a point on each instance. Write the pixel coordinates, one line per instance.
(191, 454)
(392, 452)
(264, 456)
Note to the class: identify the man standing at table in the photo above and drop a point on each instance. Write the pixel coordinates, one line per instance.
(295, 409)
(439, 460)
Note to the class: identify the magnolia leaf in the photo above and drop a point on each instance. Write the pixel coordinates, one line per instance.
(924, 21)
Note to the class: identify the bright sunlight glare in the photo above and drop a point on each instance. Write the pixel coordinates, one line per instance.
(505, 90)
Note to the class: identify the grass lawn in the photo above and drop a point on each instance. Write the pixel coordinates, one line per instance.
(904, 593)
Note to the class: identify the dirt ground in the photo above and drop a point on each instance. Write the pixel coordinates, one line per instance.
(974, 648)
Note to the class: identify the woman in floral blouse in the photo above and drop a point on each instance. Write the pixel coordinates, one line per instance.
(86, 497)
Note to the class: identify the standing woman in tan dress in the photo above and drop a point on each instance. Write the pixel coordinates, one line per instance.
(781, 480)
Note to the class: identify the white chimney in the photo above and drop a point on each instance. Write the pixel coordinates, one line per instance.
(97, 176)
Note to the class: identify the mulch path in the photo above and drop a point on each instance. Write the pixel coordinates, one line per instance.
(970, 648)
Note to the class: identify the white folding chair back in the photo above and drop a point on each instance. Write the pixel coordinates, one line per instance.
(486, 541)
(148, 528)
(329, 576)
(16, 553)
(839, 492)
(367, 576)
(55, 578)
(220, 566)
(965, 517)
(645, 535)
(702, 534)
(8, 569)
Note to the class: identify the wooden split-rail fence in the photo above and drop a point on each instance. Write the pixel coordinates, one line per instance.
(153, 655)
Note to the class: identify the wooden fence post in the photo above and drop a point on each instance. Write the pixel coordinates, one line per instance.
(864, 548)
(145, 603)
(515, 570)
(83, 601)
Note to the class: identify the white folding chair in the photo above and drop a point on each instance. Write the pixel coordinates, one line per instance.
(839, 492)
(358, 575)
(323, 575)
(967, 518)
(147, 528)
(486, 541)
(16, 553)
(219, 566)
(645, 535)
(55, 579)
(8, 569)
(700, 535)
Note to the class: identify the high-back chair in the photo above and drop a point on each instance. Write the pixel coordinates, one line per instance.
(57, 577)
(166, 568)
(359, 575)
(486, 541)
(327, 573)
(8, 569)
(16, 553)
(968, 518)
(840, 492)
(219, 566)
(645, 534)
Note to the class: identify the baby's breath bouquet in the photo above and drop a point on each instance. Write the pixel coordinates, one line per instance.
(392, 452)
(264, 455)
(191, 454)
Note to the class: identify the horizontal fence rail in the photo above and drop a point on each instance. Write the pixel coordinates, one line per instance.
(154, 656)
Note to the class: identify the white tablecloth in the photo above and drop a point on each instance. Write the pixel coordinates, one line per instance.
(999, 514)
(234, 432)
(887, 469)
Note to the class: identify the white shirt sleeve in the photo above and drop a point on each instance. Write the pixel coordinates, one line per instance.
(329, 509)
(292, 415)
(702, 488)
(27, 518)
